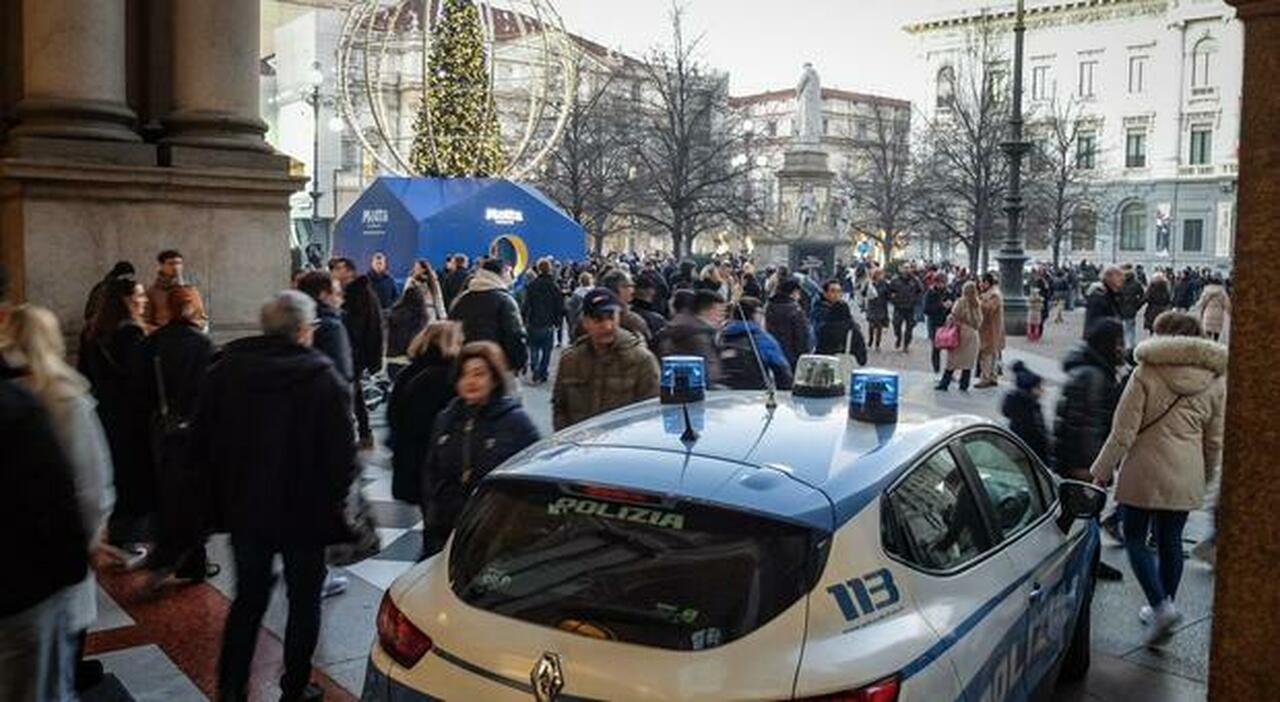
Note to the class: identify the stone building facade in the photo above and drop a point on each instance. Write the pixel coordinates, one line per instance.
(1157, 85)
(131, 127)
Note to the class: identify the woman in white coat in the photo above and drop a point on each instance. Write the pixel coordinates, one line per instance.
(31, 344)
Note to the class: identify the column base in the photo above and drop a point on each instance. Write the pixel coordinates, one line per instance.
(117, 153)
(74, 119)
(216, 130)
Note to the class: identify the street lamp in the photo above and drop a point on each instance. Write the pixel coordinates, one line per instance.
(317, 101)
(1012, 257)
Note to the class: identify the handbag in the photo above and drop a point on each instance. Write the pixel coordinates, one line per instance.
(947, 337)
(362, 540)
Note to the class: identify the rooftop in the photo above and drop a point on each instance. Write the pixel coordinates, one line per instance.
(827, 94)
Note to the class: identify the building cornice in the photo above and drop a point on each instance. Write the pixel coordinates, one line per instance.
(827, 94)
(1049, 14)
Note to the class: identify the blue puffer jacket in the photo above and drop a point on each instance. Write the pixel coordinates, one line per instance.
(741, 369)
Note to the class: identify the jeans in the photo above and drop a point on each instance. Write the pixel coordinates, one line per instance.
(1158, 583)
(904, 323)
(1130, 332)
(304, 572)
(361, 409)
(541, 342)
(38, 652)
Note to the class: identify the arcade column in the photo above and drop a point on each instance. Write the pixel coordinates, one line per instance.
(1246, 611)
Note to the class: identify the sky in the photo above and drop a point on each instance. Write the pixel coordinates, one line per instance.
(855, 45)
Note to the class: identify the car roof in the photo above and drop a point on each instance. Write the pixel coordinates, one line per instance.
(812, 441)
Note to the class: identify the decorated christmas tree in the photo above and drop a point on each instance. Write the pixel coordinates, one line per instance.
(456, 130)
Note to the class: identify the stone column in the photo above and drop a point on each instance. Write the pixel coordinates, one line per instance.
(215, 76)
(73, 77)
(1246, 610)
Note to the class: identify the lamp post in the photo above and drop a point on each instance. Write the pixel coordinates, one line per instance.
(317, 100)
(1012, 257)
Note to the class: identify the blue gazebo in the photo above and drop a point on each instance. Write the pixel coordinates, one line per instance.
(411, 218)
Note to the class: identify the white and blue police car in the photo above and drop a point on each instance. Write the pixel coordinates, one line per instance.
(747, 548)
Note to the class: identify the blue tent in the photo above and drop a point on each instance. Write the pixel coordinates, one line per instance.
(410, 218)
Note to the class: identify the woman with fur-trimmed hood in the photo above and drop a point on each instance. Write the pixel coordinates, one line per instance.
(1166, 438)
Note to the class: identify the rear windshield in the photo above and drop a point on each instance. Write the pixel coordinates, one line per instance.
(671, 575)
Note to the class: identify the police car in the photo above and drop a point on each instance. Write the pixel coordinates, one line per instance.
(746, 547)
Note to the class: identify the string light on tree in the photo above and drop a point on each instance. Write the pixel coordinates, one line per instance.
(456, 130)
(498, 75)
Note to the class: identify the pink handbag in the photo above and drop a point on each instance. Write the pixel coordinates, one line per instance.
(947, 337)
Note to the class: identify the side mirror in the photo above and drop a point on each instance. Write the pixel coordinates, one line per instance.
(1081, 500)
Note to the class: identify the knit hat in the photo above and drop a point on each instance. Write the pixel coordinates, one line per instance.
(1026, 378)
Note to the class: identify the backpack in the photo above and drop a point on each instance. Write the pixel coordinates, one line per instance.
(739, 366)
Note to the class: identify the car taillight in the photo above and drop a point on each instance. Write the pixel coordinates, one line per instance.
(404, 642)
(883, 691)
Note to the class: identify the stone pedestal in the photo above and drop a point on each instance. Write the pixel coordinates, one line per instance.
(1246, 604)
(805, 174)
(63, 224)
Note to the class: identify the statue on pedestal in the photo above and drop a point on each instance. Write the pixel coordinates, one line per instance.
(809, 107)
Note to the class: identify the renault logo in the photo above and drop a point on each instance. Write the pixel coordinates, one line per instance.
(547, 678)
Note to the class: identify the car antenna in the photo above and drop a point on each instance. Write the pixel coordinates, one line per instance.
(690, 435)
(771, 388)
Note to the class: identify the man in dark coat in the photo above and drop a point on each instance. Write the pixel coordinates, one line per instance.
(273, 432)
(455, 279)
(543, 310)
(488, 312)
(174, 360)
(1101, 302)
(692, 332)
(647, 304)
(384, 286)
(1088, 399)
(1086, 405)
(1129, 300)
(904, 292)
(937, 307)
(786, 321)
(330, 338)
(44, 536)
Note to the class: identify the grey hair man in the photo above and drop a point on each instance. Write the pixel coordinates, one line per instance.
(273, 434)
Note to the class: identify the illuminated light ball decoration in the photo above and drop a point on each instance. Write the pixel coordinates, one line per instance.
(501, 75)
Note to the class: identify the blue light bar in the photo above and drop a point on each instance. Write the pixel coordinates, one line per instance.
(873, 396)
(684, 379)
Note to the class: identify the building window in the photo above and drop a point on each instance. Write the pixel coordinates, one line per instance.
(1135, 149)
(826, 126)
(1137, 74)
(1193, 235)
(1084, 230)
(1087, 150)
(1087, 70)
(1202, 62)
(1133, 227)
(772, 128)
(1201, 146)
(946, 86)
(1040, 83)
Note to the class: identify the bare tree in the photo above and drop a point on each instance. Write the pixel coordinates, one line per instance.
(1062, 184)
(963, 170)
(589, 172)
(687, 179)
(879, 185)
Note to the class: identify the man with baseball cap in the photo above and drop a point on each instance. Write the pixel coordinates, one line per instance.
(606, 368)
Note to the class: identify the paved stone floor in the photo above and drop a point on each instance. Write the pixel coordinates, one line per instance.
(166, 648)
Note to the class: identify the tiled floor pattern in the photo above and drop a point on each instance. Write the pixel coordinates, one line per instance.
(166, 647)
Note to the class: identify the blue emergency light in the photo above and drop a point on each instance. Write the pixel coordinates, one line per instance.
(873, 396)
(684, 379)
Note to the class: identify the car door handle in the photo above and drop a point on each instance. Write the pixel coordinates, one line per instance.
(1036, 593)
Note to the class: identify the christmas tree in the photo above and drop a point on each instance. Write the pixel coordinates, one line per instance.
(456, 130)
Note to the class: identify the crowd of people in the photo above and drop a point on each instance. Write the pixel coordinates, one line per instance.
(159, 437)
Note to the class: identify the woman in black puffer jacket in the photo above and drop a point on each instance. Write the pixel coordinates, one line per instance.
(480, 429)
(419, 394)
